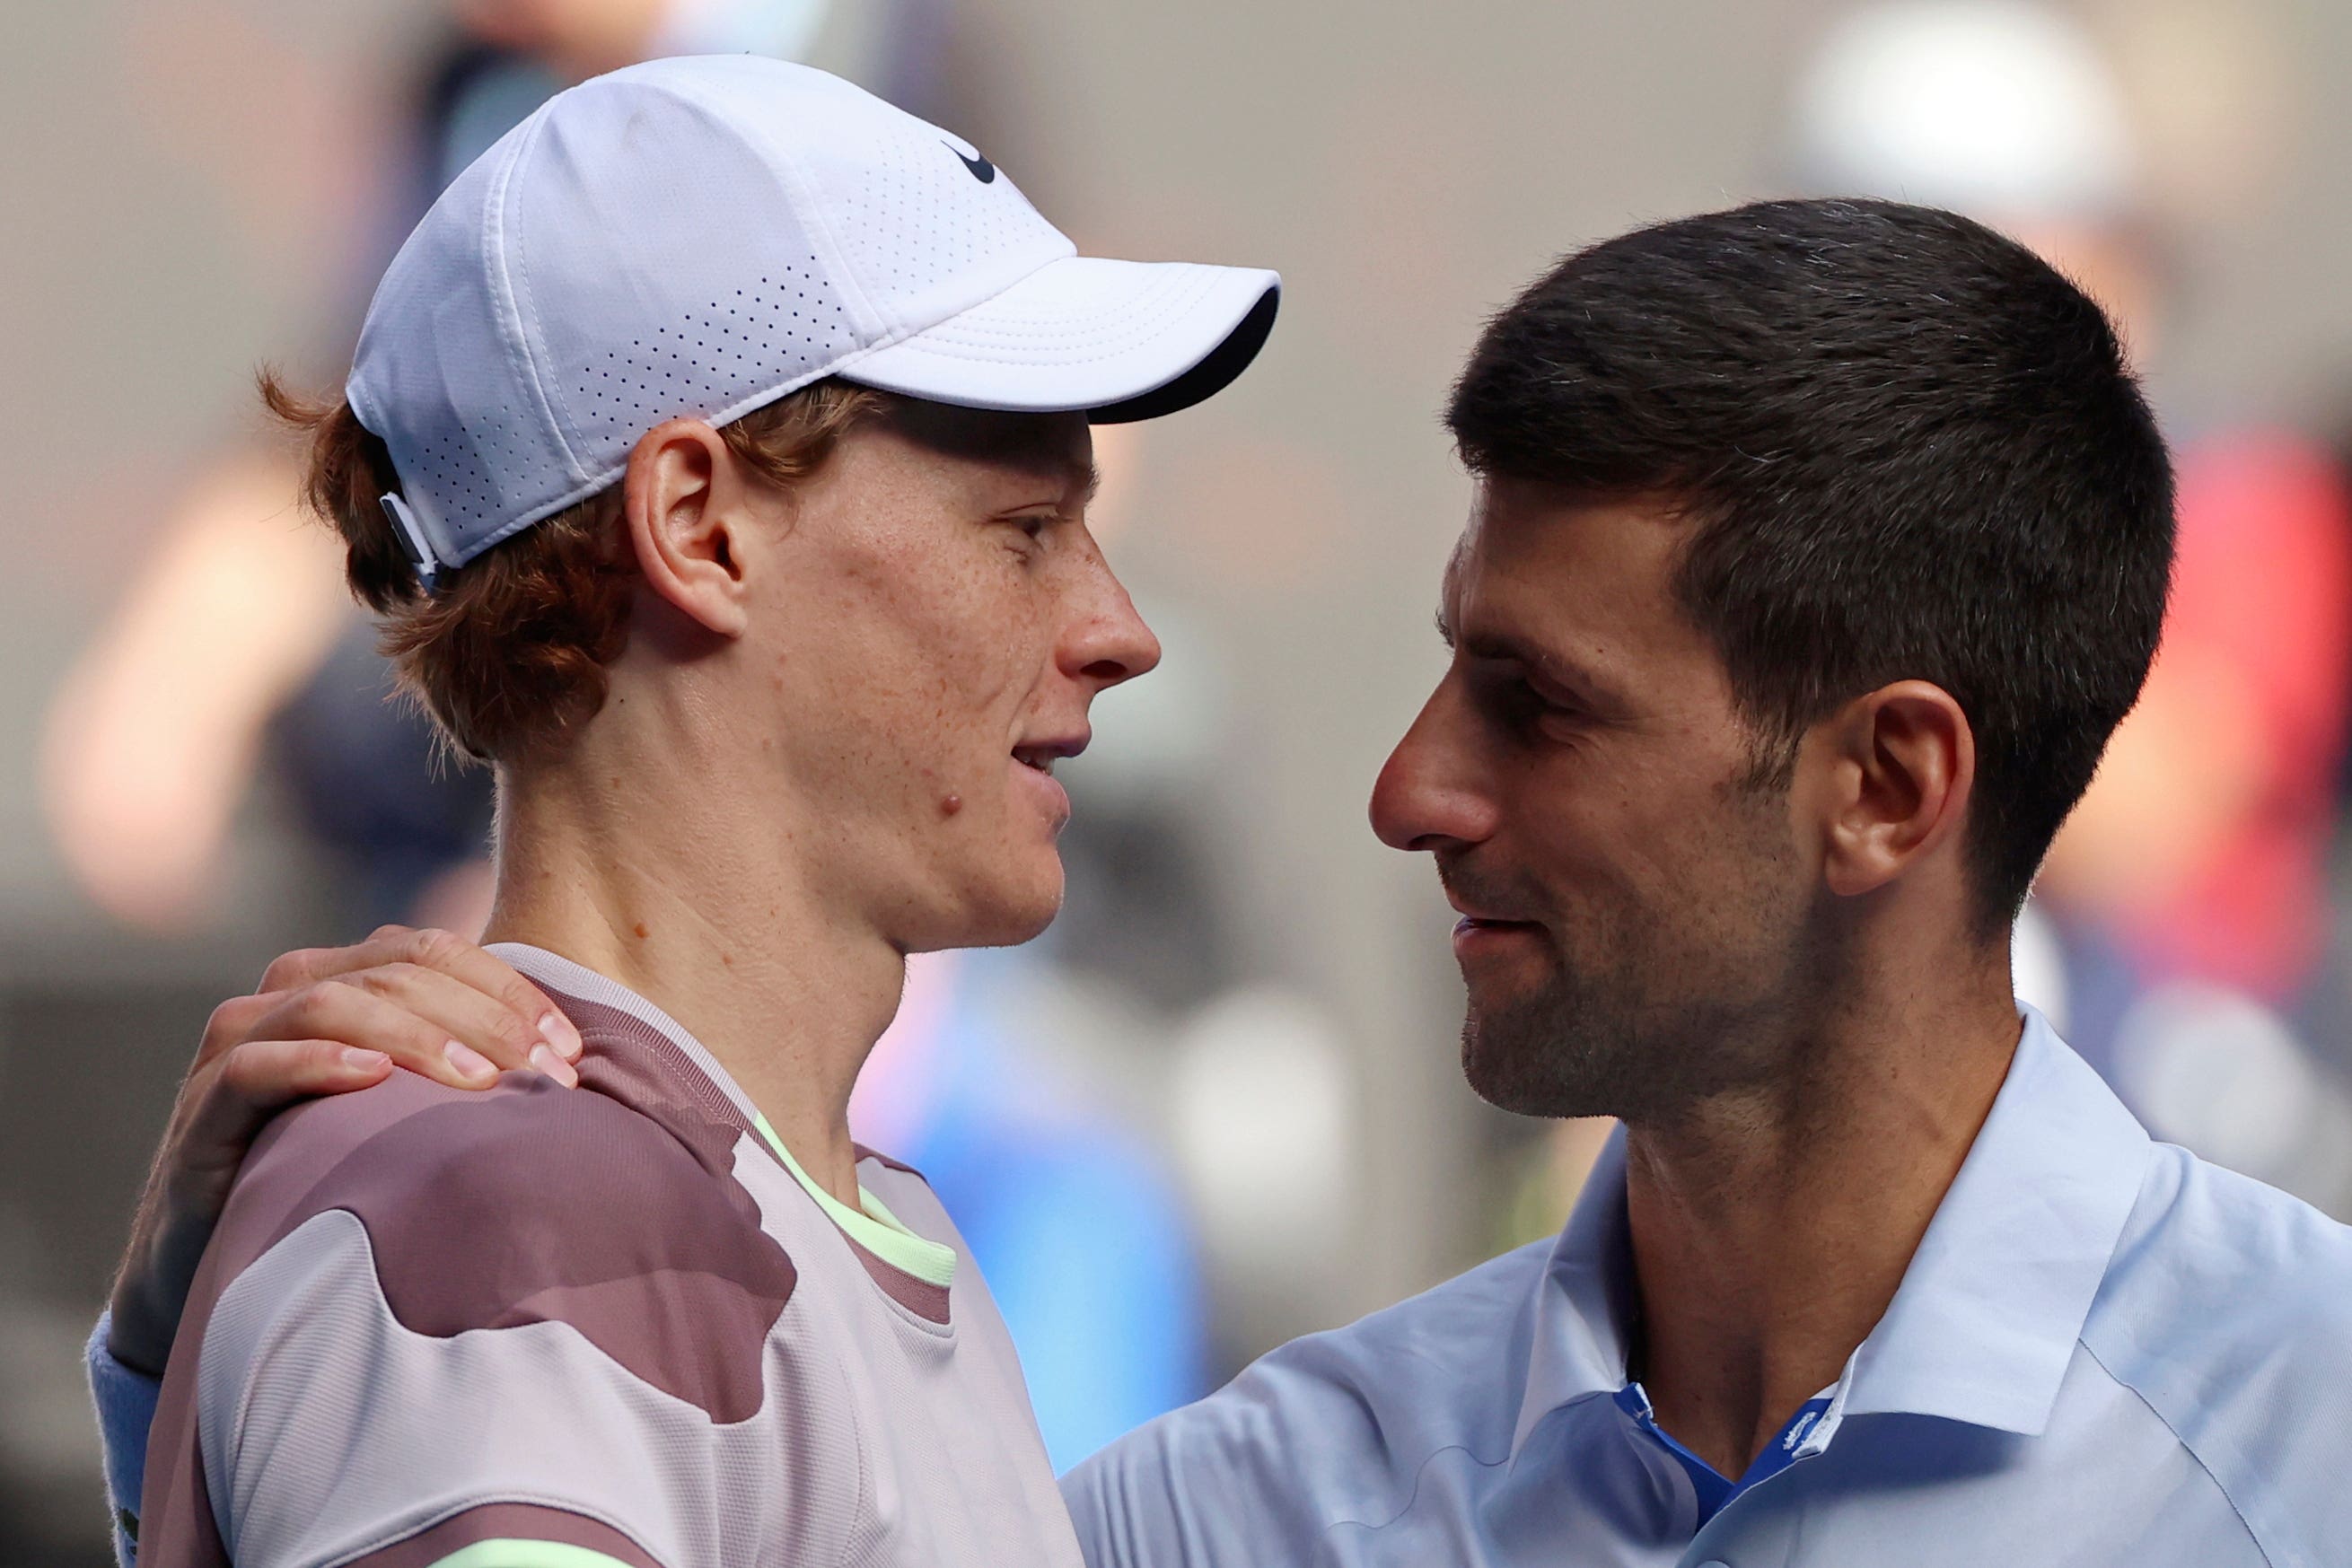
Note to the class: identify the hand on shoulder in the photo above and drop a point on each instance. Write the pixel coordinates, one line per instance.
(323, 1021)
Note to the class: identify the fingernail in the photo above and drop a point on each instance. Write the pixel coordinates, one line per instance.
(557, 1030)
(362, 1059)
(468, 1061)
(554, 1066)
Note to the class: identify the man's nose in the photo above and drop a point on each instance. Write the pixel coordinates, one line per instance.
(1431, 793)
(1106, 641)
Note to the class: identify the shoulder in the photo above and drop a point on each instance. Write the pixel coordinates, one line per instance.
(2227, 1310)
(1445, 1349)
(1329, 1428)
(471, 1172)
(524, 1204)
(527, 1293)
(2212, 1263)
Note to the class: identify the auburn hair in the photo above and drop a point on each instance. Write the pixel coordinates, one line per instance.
(508, 651)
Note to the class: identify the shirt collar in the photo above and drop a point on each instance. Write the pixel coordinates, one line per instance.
(559, 973)
(1584, 1302)
(1985, 1323)
(1986, 1319)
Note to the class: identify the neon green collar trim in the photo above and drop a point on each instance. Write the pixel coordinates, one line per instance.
(505, 1553)
(871, 1225)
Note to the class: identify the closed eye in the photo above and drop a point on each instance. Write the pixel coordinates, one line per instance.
(1507, 693)
(1535, 700)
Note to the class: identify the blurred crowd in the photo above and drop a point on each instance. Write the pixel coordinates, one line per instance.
(1155, 1069)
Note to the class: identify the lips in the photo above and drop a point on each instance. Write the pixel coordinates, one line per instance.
(1479, 941)
(1485, 928)
(1480, 913)
(1040, 755)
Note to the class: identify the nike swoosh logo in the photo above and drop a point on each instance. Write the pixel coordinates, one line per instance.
(981, 169)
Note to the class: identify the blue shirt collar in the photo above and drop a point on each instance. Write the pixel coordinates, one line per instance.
(1985, 1323)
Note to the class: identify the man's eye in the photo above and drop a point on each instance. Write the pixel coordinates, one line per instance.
(1543, 704)
(1541, 709)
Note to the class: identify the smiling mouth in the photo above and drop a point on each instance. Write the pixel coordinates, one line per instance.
(1035, 757)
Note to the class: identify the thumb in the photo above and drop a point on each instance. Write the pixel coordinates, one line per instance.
(259, 1078)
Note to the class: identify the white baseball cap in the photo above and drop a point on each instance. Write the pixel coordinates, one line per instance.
(699, 236)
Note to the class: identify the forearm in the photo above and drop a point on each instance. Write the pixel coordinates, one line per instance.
(125, 1399)
(143, 1312)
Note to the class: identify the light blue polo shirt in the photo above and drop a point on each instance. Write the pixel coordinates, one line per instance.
(2105, 1352)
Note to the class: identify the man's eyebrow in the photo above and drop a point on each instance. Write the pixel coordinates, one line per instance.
(1088, 478)
(1554, 667)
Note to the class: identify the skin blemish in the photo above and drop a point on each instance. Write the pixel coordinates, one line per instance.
(641, 931)
(950, 805)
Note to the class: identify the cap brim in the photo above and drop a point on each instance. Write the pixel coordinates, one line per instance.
(1119, 340)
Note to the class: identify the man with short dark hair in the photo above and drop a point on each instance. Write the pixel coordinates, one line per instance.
(1816, 550)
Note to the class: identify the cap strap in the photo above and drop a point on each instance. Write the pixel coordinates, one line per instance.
(412, 542)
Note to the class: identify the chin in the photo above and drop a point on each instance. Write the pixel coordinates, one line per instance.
(1016, 909)
(1511, 1078)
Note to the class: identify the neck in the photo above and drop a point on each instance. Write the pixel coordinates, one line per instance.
(658, 885)
(1772, 1226)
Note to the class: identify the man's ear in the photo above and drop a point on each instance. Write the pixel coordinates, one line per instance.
(1902, 767)
(684, 498)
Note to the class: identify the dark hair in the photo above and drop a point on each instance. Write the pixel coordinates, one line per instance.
(1909, 449)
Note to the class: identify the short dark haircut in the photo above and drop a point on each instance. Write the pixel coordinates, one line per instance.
(1908, 448)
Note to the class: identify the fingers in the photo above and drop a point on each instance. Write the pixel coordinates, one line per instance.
(421, 1020)
(500, 1041)
(265, 1075)
(232, 1024)
(462, 961)
(256, 1079)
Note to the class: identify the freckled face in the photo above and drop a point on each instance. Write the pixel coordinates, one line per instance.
(944, 621)
(1632, 902)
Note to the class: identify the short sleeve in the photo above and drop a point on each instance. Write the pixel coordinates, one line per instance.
(333, 1433)
(521, 1332)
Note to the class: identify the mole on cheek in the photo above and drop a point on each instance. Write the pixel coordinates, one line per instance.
(642, 932)
(950, 805)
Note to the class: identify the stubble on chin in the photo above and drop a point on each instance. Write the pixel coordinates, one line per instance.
(1643, 1048)
(1557, 1051)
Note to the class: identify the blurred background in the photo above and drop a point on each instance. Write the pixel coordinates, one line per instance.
(1237, 1052)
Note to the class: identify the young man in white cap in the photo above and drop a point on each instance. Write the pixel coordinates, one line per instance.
(716, 452)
